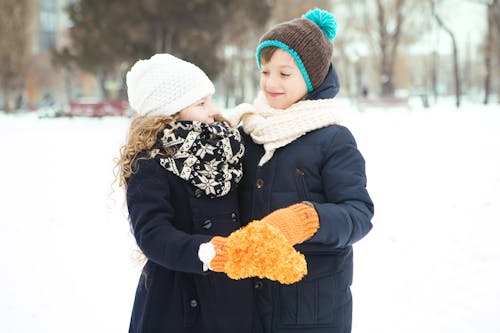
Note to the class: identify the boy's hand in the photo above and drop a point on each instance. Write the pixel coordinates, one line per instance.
(297, 222)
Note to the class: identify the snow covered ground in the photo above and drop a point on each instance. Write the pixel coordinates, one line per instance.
(431, 264)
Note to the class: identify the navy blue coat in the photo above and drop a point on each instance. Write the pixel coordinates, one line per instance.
(323, 167)
(170, 219)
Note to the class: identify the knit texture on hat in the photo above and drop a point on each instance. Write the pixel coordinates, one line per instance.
(164, 85)
(308, 40)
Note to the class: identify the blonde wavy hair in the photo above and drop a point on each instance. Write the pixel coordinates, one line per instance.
(142, 136)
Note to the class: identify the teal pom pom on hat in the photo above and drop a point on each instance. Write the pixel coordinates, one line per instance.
(308, 40)
(324, 20)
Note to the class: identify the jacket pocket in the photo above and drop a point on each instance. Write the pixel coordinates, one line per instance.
(301, 185)
(321, 299)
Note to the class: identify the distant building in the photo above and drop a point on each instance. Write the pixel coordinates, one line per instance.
(50, 22)
(50, 26)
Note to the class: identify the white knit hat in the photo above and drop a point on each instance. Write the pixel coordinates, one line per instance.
(165, 85)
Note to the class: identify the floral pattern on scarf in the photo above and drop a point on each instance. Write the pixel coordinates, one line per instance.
(206, 155)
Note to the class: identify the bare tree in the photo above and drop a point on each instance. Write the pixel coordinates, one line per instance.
(386, 26)
(493, 30)
(493, 45)
(496, 45)
(488, 54)
(450, 33)
(496, 14)
(388, 43)
(14, 48)
(434, 74)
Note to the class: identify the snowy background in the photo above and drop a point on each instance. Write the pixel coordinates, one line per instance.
(431, 264)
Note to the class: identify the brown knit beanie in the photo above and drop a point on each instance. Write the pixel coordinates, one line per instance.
(308, 40)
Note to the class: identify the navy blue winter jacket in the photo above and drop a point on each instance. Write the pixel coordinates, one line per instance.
(170, 219)
(323, 167)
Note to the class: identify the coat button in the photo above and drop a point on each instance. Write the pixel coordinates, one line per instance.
(233, 216)
(260, 183)
(207, 224)
(193, 303)
(258, 284)
(198, 193)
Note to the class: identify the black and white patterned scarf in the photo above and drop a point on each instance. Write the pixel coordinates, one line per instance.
(206, 155)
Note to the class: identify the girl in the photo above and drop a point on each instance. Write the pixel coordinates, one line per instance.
(296, 151)
(180, 169)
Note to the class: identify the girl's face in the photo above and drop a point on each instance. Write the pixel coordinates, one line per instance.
(202, 110)
(281, 81)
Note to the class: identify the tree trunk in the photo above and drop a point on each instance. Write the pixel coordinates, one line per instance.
(487, 55)
(496, 19)
(388, 44)
(456, 71)
(4, 99)
(496, 14)
(434, 75)
(101, 78)
(68, 87)
(9, 101)
(385, 79)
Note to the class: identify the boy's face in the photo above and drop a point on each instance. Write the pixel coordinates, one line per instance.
(281, 81)
(202, 110)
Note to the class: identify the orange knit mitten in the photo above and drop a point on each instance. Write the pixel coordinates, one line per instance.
(258, 249)
(297, 222)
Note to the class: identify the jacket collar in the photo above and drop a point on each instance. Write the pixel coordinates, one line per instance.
(329, 88)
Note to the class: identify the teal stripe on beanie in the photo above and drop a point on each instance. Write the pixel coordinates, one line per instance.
(295, 56)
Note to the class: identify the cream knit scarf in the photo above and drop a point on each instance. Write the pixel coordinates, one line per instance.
(275, 128)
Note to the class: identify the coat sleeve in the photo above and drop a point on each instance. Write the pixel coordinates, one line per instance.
(346, 216)
(151, 215)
